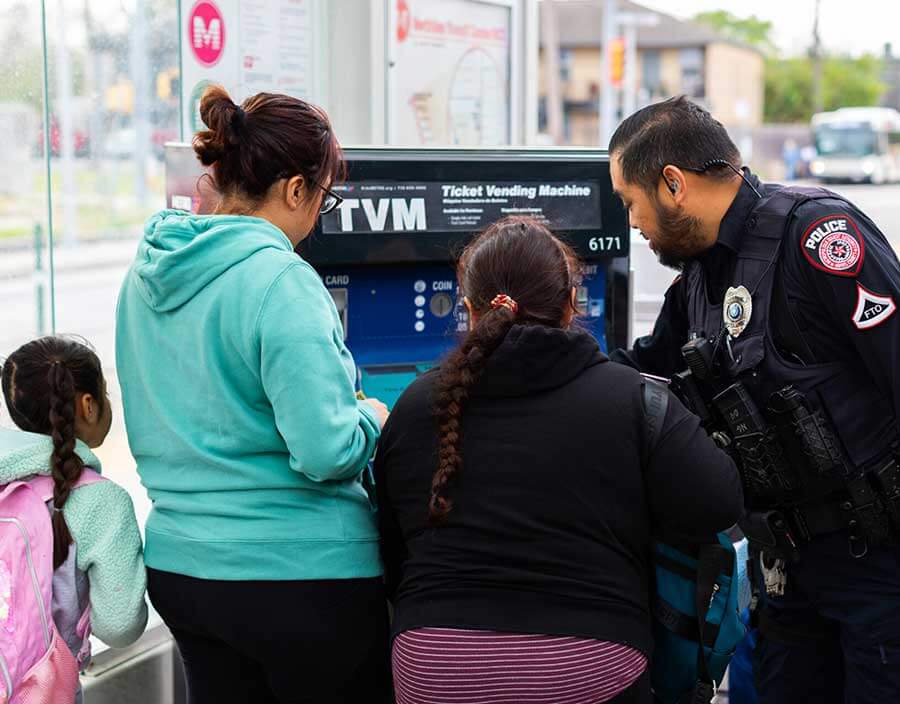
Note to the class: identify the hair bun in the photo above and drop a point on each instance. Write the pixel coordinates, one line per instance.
(224, 118)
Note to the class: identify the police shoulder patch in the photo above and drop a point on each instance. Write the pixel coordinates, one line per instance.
(834, 245)
(871, 309)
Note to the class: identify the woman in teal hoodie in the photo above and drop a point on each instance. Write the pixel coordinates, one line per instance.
(261, 548)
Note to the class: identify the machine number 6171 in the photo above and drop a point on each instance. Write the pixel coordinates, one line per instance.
(605, 244)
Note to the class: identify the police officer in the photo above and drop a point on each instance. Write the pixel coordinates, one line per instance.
(791, 294)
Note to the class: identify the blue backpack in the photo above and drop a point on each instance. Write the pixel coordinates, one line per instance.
(695, 601)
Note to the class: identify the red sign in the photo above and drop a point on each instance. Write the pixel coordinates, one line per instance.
(206, 32)
(403, 19)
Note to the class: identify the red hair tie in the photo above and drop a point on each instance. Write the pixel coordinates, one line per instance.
(501, 300)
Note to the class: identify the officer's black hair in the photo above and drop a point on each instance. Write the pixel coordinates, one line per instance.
(676, 131)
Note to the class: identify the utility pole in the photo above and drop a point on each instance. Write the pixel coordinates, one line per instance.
(818, 97)
(553, 97)
(140, 75)
(66, 126)
(630, 21)
(608, 92)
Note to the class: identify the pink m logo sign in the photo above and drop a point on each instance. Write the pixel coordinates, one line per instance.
(206, 32)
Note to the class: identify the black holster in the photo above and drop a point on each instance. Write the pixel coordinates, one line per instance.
(770, 531)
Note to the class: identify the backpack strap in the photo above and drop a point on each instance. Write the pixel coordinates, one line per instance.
(655, 397)
(711, 562)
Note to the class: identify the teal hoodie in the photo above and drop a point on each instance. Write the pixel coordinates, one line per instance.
(240, 406)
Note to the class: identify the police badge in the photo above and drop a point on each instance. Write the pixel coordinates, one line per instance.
(737, 309)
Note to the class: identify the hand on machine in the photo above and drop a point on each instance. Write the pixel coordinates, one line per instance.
(380, 409)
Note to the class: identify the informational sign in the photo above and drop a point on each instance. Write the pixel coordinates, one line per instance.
(248, 46)
(449, 77)
(462, 206)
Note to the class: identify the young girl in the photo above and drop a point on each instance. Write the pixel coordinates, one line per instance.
(55, 391)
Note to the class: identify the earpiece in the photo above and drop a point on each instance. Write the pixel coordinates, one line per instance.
(673, 186)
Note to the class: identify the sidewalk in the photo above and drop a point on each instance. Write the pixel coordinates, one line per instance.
(19, 262)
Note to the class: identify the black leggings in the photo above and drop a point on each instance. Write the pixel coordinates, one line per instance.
(269, 642)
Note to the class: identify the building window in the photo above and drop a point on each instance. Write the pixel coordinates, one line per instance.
(693, 82)
(651, 73)
(565, 64)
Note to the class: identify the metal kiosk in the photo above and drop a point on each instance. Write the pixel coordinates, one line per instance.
(387, 253)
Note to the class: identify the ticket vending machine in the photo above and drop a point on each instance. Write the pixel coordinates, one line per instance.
(387, 253)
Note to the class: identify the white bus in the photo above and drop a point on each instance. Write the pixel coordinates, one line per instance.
(857, 144)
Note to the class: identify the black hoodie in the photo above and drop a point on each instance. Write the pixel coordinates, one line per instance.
(554, 507)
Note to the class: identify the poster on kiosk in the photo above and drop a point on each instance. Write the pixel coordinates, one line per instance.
(248, 46)
(465, 96)
(387, 254)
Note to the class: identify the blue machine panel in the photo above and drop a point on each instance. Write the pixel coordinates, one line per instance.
(400, 320)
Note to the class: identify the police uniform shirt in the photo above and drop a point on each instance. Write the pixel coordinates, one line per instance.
(836, 292)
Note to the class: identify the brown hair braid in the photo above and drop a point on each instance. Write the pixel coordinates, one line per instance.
(40, 383)
(66, 465)
(519, 257)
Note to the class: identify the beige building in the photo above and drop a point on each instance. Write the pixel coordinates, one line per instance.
(673, 57)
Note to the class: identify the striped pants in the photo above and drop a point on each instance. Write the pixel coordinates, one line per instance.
(451, 666)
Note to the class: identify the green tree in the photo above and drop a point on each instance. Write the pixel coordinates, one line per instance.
(846, 81)
(22, 61)
(788, 90)
(852, 82)
(750, 30)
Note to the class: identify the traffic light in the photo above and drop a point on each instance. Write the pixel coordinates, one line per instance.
(616, 61)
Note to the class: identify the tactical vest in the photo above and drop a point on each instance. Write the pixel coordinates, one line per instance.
(859, 412)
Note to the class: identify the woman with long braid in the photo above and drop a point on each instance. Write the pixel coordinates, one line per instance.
(517, 499)
(55, 392)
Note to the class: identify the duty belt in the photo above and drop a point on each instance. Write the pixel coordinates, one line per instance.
(869, 511)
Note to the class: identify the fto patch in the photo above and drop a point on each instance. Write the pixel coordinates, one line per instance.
(833, 244)
(871, 309)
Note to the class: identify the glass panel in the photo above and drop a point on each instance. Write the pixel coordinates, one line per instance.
(24, 252)
(113, 71)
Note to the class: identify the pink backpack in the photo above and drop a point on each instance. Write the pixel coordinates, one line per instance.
(36, 665)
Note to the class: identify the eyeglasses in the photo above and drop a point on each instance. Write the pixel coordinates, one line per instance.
(330, 201)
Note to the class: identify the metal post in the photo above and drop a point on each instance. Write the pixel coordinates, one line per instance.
(818, 97)
(39, 278)
(64, 111)
(140, 71)
(629, 22)
(630, 78)
(553, 95)
(608, 93)
(46, 94)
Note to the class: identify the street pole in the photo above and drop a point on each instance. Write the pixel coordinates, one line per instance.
(608, 92)
(139, 78)
(629, 79)
(818, 97)
(39, 281)
(629, 22)
(553, 105)
(66, 126)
